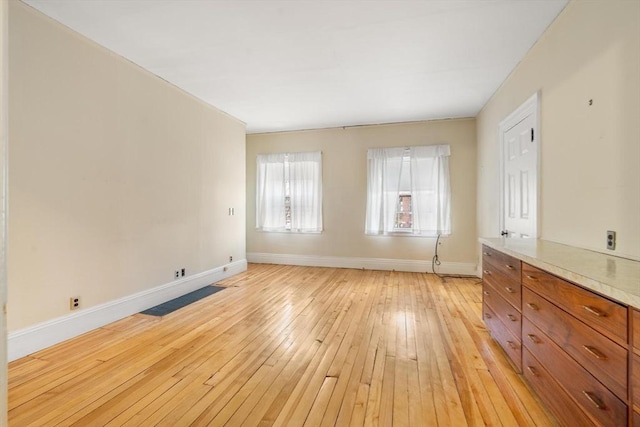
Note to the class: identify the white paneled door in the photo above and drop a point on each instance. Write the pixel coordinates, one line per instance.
(519, 191)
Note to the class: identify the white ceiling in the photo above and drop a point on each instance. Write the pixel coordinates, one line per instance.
(286, 65)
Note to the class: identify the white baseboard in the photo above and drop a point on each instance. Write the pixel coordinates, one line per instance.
(415, 266)
(34, 338)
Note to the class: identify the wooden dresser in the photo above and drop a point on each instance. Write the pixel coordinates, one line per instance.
(635, 366)
(577, 347)
(502, 302)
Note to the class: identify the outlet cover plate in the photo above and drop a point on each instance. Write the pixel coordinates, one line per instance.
(611, 240)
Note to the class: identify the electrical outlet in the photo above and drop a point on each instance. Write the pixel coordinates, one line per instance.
(230, 258)
(74, 303)
(611, 240)
(183, 272)
(177, 274)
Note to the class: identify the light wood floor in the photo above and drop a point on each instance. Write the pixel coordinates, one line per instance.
(286, 346)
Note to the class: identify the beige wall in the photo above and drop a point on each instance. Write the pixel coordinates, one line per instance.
(116, 177)
(590, 155)
(3, 217)
(344, 153)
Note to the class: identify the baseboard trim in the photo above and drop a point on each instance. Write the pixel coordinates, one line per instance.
(35, 338)
(409, 265)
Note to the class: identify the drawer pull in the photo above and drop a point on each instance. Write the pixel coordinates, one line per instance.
(594, 399)
(510, 267)
(487, 315)
(531, 277)
(594, 311)
(486, 293)
(533, 371)
(486, 253)
(595, 352)
(509, 289)
(487, 272)
(534, 339)
(512, 345)
(532, 306)
(512, 317)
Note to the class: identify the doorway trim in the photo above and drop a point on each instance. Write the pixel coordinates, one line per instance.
(529, 107)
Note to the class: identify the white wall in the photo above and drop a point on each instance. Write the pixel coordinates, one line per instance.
(344, 152)
(590, 154)
(117, 178)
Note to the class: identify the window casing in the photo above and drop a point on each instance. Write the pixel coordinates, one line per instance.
(289, 192)
(408, 191)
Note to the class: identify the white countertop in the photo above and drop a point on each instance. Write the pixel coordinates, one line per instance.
(614, 277)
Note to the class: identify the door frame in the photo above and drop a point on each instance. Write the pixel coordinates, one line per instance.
(529, 107)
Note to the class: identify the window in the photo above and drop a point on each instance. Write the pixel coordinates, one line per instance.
(403, 212)
(408, 191)
(289, 192)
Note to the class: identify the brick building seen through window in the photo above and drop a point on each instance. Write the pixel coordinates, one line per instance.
(404, 219)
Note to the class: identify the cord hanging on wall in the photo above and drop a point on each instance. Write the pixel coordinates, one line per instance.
(435, 261)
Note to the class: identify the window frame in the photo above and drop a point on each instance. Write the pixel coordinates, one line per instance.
(390, 171)
(285, 223)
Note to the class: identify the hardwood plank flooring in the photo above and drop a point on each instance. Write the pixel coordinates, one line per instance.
(286, 346)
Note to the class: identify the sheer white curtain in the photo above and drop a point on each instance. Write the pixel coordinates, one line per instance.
(305, 189)
(384, 170)
(270, 192)
(429, 189)
(293, 176)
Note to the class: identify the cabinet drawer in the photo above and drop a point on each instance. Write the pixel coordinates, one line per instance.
(636, 419)
(598, 312)
(509, 288)
(605, 359)
(636, 329)
(505, 311)
(506, 265)
(558, 401)
(594, 398)
(501, 334)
